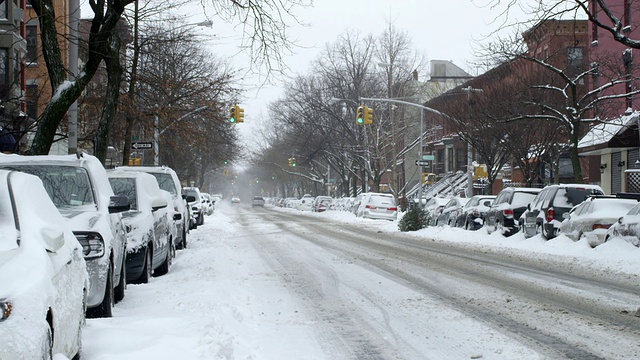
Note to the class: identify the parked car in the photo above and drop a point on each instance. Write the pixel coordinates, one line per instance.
(592, 218)
(257, 201)
(627, 227)
(433, 207)
(450, 211)
(322, 203)
(42, 271)
(306, 203)
(544, 215)
(168, 180)
(150, 247)
(378, 206)
(208, 205)
(472, 215)
(355, 204)
(507, 209)
(197, 206)
(79, 188)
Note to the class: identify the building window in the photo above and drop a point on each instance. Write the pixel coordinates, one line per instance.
(32, 43)
(575, 57)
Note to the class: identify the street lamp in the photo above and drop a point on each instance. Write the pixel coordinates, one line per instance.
(157, 132)
(469, 90)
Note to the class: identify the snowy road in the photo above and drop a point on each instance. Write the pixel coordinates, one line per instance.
(277, 284)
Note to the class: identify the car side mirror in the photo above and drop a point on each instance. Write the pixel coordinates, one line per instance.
(118, 204)
(177, 217)
(53, 238)
(566, 216)
(529, 206)
(158, 203)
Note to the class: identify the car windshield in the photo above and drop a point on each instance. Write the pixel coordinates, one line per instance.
(67, 186)
(125, 187)
(165, 181)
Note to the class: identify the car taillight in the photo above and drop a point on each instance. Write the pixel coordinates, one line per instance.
(600, 226)
(392, 209)
(92, 244)
(371, 207)
(550, 214)
(508, 213)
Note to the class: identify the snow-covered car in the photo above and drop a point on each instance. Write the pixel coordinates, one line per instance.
(507, 209)
(79, 188)
(472, 215)
(257, 201)
(433, 207)
(378, 206)
(43, 275)
(322, 203)
(593, 217)
(306, 203)
(627, 227)
(149, 224)
(197, 206)
(545, 213)
(209, 204)
(168, 180)
(450, 211)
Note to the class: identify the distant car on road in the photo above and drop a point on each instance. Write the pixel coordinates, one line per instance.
(257, 201)
(235, 200)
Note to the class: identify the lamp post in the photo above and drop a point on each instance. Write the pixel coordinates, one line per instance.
(469, 90)
(157, 132)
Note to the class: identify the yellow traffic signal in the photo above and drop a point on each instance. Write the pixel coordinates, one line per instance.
(360, 115)
(240, 114)
(290, 161)
(233, 116)
(368, 115)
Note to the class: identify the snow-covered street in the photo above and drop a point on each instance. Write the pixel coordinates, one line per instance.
(281, 284)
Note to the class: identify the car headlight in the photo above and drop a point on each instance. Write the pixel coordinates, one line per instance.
(92, 244)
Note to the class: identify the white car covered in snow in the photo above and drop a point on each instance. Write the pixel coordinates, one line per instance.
(79, 188)
(149, 224)
(43, 276)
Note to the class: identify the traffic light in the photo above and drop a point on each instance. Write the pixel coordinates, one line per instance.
(368, 115)
(293, 162)
(360, 115)
(240, 114)
(233, 116)
(290, 161)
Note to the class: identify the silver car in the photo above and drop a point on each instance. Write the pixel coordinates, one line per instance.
(79, 188)
(592, 218)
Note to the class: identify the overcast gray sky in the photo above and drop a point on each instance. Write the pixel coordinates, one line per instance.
(441, 29)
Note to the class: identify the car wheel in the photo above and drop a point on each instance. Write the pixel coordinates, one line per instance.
(147, 271)
(201, 219)
(166, 264)
(47, 344)
(119, 291)
(545, 235)
(105, 309)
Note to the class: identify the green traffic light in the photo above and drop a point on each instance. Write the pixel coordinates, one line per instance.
(232, 120)
(360, 120)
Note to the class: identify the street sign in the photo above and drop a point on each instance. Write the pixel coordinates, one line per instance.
(428, 157)
(422, 163)
(142, 145)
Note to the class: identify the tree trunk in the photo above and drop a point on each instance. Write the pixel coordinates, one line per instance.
(114, 77)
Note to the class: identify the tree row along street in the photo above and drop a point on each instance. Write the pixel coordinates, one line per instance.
(550, 307)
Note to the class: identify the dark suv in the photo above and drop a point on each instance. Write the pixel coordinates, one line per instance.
(544, 214)
(507, 209)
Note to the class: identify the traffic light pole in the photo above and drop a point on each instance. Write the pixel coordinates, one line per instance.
(423, 108)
